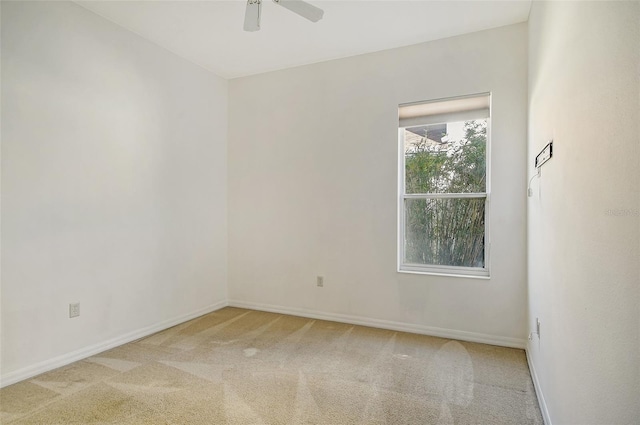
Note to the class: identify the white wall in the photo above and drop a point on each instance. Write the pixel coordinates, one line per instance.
(313, 187)
(584, 217)
(113, 185)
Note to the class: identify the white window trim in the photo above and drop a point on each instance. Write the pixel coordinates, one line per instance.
(449, 271)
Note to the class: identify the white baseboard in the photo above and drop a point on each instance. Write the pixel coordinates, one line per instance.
(83, 353)
(386, 324)
(65, 359)
(536, 385)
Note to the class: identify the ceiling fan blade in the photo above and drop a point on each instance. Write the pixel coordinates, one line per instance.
(302, 8)
(252, 15)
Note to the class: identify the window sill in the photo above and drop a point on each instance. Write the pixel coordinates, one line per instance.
(479, 275)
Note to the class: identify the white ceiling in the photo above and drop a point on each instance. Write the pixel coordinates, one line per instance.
(210, 33)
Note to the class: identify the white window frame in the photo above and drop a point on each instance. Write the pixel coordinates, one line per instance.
(432, 269)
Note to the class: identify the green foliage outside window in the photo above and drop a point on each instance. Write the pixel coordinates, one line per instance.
(446, 231)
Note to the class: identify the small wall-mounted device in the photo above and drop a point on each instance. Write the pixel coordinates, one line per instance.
(545, 154)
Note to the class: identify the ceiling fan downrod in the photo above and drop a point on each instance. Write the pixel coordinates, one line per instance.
(253, 12)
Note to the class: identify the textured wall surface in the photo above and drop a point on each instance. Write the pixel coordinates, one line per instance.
(313, 185)
(584, 217)
(113, 183)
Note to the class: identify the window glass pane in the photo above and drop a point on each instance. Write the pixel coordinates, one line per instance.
(445, 231)
(446, 158)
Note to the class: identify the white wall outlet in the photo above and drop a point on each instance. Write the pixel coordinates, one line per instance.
(74, 310)
(320, 281)
(538, 327)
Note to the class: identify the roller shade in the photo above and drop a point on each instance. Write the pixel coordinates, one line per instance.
(448, 110)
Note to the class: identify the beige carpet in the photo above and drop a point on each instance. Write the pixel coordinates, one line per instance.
(237, 366)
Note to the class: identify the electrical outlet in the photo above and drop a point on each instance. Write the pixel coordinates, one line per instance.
(320, 281)
(74, 310)
(538, 327)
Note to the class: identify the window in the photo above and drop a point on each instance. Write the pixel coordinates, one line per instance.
(444, 192)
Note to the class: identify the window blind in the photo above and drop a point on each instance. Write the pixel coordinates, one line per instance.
(442, 111)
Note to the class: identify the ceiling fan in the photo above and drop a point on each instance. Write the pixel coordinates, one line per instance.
(302, 8)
